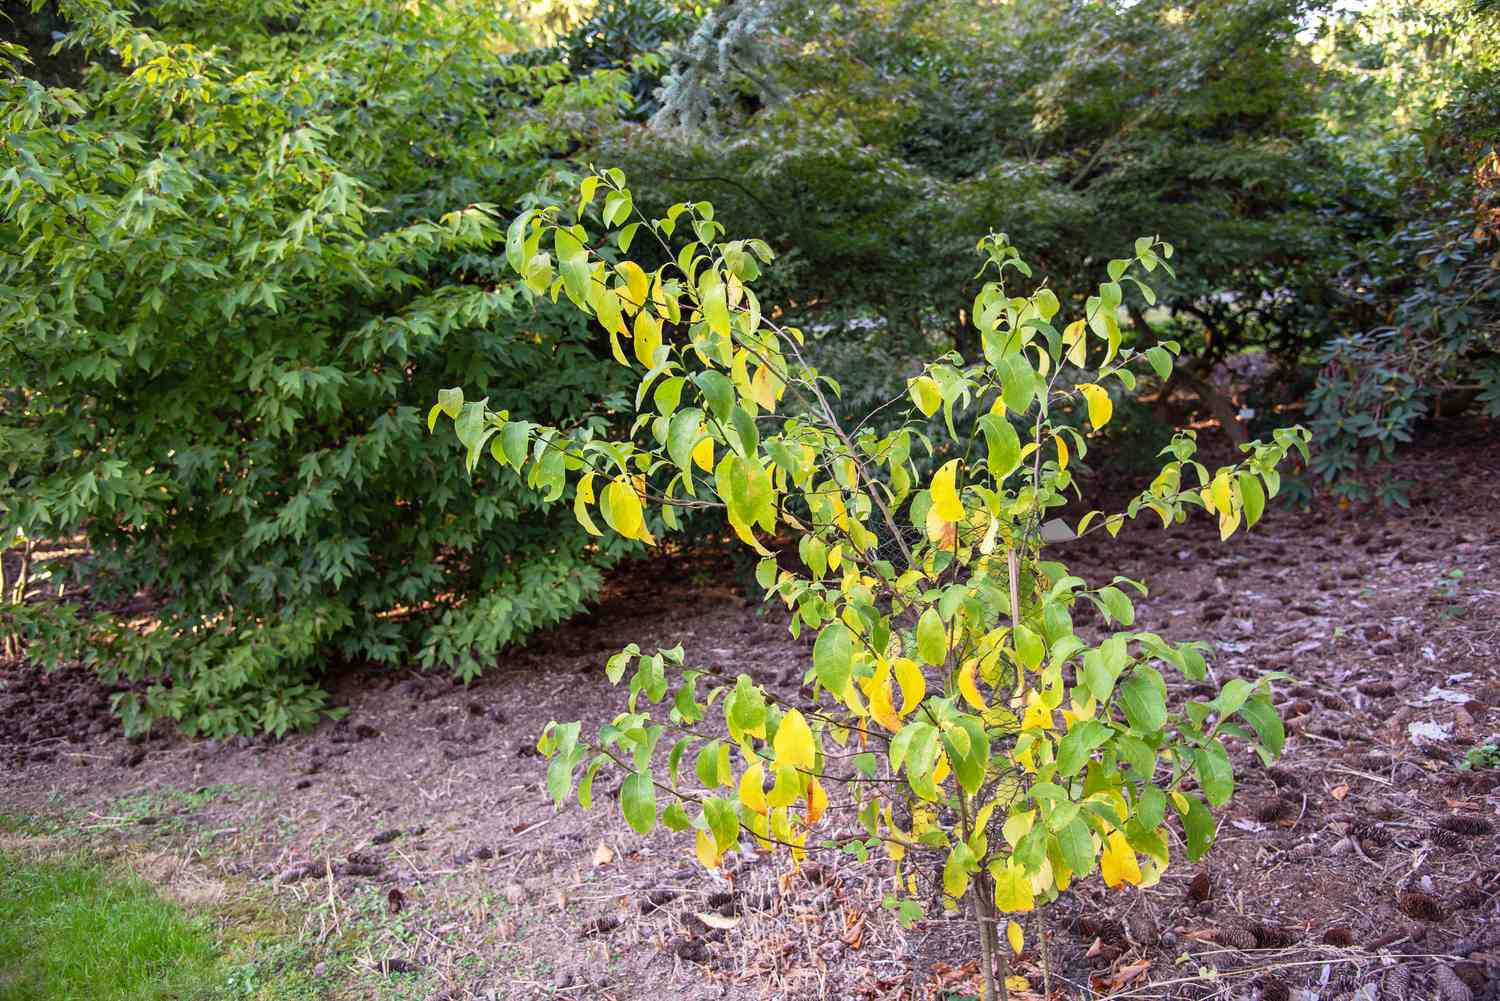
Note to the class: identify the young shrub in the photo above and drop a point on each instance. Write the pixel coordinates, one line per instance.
(987, 737)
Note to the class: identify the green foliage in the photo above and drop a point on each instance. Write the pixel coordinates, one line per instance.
(73, 931)
(239, 258)
(990, 742)
(877, 142)
(1481, 756)
(1422, 299)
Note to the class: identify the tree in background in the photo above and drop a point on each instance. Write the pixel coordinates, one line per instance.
(1417, 303)
(878, 142)
(238, 256)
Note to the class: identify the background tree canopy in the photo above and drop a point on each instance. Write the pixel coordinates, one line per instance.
(244, 244)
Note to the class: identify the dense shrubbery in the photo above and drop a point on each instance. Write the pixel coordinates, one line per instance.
(1421, 301)
(238, 258)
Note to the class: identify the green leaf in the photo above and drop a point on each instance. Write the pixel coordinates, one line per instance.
(1076, 844)
(1003, 443)
(1017, 382)
(1144, 699)
(1198, 823)
(1117, 605)
(1076, 747)
(1029, 646)
(833, 657)
(573, 262)
(1215, 773)
(932, 637)
(1150, 806)
(1252, 497)
(682, 435)
(638, 802)
(723, 822)
(1264, 720)
(718, 391)
(1160, 359)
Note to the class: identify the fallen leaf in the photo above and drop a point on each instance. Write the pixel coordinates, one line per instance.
(1017, 983)
(715, 920)
(604, 854)
(1339, 791)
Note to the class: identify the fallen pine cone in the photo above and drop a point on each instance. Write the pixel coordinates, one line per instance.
(1421, 906)
(1450, 986)
(1473, 827)
(1236, 937)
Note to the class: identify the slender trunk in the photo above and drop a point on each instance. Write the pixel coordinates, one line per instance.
(991, 987)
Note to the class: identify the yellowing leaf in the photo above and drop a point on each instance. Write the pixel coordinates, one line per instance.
(943, 533)
(1118, 864)
(703, 454)
(913, 684)
(925, 393)
(945, 493)
(1016, 982)
(817, 801)
(794, 742)
(706, 850)
(647, 338)
(1017, 939)
(636, 284)
(752, 788)
(622, 510)
(1012, 888)
(1062, 453)
(967, 686)
(1038, 716)
(1101, 407)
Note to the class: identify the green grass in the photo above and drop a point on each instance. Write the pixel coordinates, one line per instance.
(73, 931)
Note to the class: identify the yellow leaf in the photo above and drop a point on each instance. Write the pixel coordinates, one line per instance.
(647, 338)
(703, 454)
(622, 509)
(1118, 863)
(1017, 939)
(1017, 827)
(926, 394)
(1012, 888)
(1016, 982)
(1037, 714)
(878, 688)
(636, 284)
(794, 742)
(943, 533)
(817, 801)
(1062, 453)
(707, 850)
(945, 494)
(967, 686)
(753, 788)
(913, 684)
(941, 770)
(1101, 407)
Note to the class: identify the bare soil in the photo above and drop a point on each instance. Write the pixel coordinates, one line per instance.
(1366, 859)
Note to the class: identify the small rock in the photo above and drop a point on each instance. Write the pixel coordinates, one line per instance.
(385, 837)
(515, 894)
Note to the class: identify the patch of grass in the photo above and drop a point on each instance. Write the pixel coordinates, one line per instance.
(73, 930)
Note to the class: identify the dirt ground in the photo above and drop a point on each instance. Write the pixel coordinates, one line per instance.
(1366, 864)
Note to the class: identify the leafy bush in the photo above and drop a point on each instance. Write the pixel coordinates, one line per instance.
(1427, 298)
(1031, 756)
(237, 258)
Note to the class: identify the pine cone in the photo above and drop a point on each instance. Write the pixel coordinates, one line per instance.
(1471, 827)
(1236, 937)
(1449, 986)
(1421, 906)
(1395, 984)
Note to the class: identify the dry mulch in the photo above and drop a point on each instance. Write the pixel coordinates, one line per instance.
(1365, 861)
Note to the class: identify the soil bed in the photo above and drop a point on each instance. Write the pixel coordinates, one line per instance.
(1364, 855)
